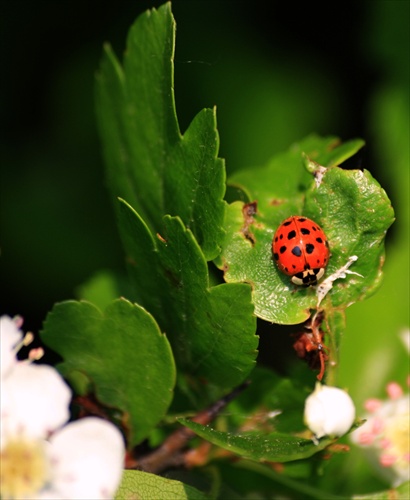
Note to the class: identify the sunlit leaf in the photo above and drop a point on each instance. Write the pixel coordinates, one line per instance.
(137, 484)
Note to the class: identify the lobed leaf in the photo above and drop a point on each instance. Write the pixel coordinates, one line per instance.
(211, 329)
(149, 163)
(122, 353)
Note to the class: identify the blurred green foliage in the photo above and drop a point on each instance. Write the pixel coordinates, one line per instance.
(275, 73)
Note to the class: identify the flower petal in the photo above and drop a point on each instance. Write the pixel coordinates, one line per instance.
(388, 447)
(10, 336)
(35, 401)
(87, 458)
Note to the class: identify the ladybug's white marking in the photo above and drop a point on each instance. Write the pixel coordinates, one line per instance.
(324, 288)
(309, 277)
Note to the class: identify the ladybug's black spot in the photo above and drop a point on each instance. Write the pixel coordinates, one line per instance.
(282, 249)
(314, 228)
(297, 251)
(293, 265)
(319, 240)
(291, 235)
(304, 230)
(287, 223)
(301, 219)
(276, 256)
(307, 266)
(276, 239)
(281, 236)
(309, 248)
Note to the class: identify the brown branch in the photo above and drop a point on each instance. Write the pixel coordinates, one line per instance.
(172, 451)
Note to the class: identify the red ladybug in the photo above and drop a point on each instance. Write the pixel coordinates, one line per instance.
(301, 250)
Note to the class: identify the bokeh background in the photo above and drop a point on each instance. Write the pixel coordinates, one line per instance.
(276, 71)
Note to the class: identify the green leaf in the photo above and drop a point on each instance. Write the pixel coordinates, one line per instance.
(211, 329)
(270, 403)
(274, 446)
(122, 353)
(356, 214)
(401, 492)
(149, 163)
(282, 182)
(385, 315)
(251, 261)
(137, 484)
(350, 206)
(334, 153)
(101, 289)
(281, 480)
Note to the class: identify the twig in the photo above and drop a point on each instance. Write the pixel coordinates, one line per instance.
(171, 453)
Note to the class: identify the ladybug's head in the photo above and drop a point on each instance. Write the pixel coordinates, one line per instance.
(309, 277)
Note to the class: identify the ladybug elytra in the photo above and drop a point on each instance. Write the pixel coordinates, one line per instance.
(301, 250)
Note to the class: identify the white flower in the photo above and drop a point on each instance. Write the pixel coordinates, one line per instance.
(40, 457)
(385, 436)
(11, 336)
(329, 411)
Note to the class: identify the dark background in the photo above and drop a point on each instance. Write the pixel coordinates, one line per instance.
(277, 71)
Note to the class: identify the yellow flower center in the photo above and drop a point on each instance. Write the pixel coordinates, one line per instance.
(24, 468)
(398, 432)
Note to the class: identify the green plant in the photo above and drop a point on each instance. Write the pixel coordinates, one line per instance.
(183, 335)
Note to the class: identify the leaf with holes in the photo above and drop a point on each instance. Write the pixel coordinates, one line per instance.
(349, 205)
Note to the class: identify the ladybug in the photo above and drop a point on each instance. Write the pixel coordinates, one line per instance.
(301, 250)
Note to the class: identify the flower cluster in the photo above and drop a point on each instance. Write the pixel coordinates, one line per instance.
(385, 436)
(41, 457)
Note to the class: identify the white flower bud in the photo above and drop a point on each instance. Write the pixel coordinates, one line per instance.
(329, 411)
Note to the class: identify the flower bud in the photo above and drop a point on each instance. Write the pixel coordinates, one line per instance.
(329, 411)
